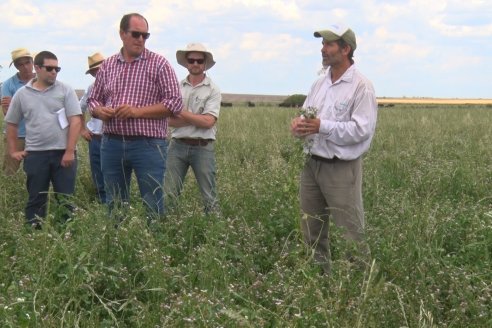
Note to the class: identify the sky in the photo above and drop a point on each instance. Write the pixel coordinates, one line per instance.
(407, 48)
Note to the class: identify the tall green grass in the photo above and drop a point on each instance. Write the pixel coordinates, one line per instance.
(428, 204)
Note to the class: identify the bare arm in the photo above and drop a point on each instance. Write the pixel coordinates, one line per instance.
(73, 136)
(156, 111)
(12, 142)
(205, 121)
(84, 132)
(5, 104)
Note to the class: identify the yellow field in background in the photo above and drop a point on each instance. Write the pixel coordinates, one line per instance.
(443, 101)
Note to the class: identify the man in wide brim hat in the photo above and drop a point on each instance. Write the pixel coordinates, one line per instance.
(20, 53)
(195, 47)
(94, 61)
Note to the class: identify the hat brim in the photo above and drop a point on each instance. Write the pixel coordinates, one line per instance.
(327, 35)
(94, 67)
(26, 56)
(181, 58)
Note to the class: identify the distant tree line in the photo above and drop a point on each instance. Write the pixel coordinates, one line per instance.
(296, 100)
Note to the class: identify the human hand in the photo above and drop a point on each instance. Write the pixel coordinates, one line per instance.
(5, 102)
(302, 127)
(68, 159)
(103, 113)
(86, 134)
(19, 155)
(125, 111)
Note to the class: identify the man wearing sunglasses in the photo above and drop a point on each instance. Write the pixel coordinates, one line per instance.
(23, 62)
(194, 130)
(53, 121)
(134, 93)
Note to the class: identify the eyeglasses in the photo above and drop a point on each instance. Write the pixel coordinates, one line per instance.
(195, 60)
(137, 35)
(50, 68)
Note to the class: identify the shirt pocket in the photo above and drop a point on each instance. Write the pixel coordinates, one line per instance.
(341, 110)
(197, 104)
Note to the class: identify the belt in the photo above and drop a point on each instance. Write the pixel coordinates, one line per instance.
(125, 138)
(325, 160)
(195, 142)
(96, 136)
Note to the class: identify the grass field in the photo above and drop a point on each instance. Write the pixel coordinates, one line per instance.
(428, 204)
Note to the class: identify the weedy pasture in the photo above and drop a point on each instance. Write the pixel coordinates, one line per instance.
(428, 205)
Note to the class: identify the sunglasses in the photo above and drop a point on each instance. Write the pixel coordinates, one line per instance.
(50, 68)
(194, 60)
(137, 35)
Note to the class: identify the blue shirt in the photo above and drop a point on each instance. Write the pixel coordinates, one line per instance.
(9, 87)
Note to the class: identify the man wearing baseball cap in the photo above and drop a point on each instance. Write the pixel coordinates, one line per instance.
(23, 62)
(336, 139)
(193, 136)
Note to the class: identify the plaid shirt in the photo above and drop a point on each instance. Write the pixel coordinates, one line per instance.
(146, 81)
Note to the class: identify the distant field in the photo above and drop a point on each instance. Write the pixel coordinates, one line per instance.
(243, 98)
(237, 98)
(443, 101)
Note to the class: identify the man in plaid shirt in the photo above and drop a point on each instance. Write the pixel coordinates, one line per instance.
(135, 91)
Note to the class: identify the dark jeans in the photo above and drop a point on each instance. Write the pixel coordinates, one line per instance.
(43, 167)
(96, 171)
(146, 157)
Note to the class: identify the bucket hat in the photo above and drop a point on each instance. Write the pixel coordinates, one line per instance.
(195, 47)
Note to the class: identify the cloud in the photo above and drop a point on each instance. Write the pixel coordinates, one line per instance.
(459, 31)
(21, 14)
(264, 47)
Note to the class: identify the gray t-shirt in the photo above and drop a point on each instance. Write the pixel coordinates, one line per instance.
(42, 111)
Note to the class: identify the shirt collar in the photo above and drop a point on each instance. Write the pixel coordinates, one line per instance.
(206, 81)
(31, 82)
(143, 55)
(347, 76)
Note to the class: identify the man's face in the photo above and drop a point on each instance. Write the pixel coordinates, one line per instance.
(195, 63)
(134, 44)
(332, 53)
(24, 66)
(47, 72)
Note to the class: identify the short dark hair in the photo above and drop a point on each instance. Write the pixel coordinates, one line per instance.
(40, 57)
(343, 44)
(125, 21)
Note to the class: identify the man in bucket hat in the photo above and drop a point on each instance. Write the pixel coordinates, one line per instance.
(195, 127)
(93, 130)
(336, 139)
(23, 62)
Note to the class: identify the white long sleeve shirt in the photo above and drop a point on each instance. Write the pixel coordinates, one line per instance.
(347, 109)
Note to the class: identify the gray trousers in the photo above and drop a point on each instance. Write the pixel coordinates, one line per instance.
(331, 190)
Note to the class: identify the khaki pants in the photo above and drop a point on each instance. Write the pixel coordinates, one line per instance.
(331, 189)
(10, 165)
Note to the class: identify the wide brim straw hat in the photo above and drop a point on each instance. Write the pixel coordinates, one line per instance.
(20, 53)
(195, 47)
(94, 61)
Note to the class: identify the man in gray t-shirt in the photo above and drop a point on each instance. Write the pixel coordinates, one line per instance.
(52, 114)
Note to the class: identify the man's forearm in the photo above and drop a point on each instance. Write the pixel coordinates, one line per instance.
(73, 132)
